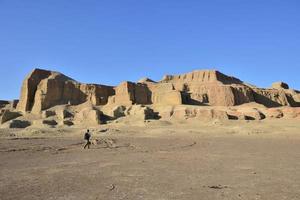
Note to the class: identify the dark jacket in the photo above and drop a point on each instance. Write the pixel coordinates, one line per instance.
(87, 136)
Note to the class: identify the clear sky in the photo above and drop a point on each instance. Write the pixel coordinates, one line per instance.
(109, 41)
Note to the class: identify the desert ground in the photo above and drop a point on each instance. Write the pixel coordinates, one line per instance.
(158, 160)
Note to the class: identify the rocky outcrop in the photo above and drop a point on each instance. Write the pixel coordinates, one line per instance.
(173, 97)
(88, 116)
(118, 111)
(19, 124)
(139, 112)
(50, 122)
(68, 123)
(210, 87)
(274, 113)
(43, 89)
(29, 88)
(271, 97)
(48, 113)
(8, 115)
(146, 80)
(3, 103)
(201, 76)
(289, 112)
(280, 85)
(164, 94)
(128, 93)
(200, 114)
(213, 88)
(293, 97)
(191, 112)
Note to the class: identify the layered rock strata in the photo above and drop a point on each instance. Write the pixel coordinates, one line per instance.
(43, 89)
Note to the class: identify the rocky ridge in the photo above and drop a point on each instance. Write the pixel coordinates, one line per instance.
(52, 99)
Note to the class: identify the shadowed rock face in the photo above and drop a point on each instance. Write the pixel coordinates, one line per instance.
(43, 89)
(280, 85)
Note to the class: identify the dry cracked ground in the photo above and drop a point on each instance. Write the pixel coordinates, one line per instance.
(156, 160)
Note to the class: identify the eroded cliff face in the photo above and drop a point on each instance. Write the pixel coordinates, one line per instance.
(213, 88)
(29, 88)
(50, 99)
(202, 76)
(44, 89)
(210, 87)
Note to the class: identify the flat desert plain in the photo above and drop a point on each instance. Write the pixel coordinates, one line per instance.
(154, 160)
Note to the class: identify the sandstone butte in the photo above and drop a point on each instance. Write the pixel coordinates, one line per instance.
(50, 98)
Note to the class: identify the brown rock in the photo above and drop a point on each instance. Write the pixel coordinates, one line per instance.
(3, 103)
(8, 115)
(48, 113)
(29, 88)
(19, 124)
(125, 93)
(289, 112)
(146, 80)
(218, 95)
(274, 113)
(254, 114)
(202, 76)
(164, 111)
(221, 96)
(208, 114)
(118, 111)
(271, 97)
(43, 89)
(280, 85)
(183, 113)
(14, 103)
(128, 93)
(88, 116)
(68, 123)
(140, 112)
(167, 98)
(50, 122)
(245, 114)
(235, 115)
(293, 97)
(165, 94)
(63, 114)
(2, 111)
(9, 104)
(210, 87)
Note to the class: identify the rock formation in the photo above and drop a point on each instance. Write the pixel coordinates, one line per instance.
(202, 94)
(128, 93)
(280, 85)
(8, 115)
(88, 116)
(43, 89)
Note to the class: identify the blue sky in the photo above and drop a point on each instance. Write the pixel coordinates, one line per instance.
(109, 41)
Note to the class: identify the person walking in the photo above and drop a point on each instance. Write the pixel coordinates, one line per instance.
(87, 137)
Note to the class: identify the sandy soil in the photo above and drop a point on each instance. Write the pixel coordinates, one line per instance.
(156, 160)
